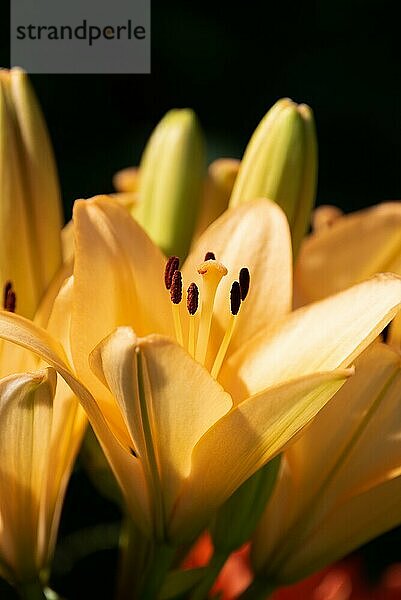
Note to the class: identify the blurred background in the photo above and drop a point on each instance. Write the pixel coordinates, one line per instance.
(230, 62)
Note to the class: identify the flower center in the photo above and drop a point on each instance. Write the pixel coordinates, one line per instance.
(212, 272)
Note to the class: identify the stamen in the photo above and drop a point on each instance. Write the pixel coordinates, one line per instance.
(212, 272)
(235, 297)
(132, 451)
(9, 298)
(192, 305)
(235, 305)
(172, 266)
(210, 256)
(176, 297)
(244, 281)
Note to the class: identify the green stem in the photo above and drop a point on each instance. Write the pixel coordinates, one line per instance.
(135, 556)
(212, 571)
(260, 589)
(162, 559)
(32, 591)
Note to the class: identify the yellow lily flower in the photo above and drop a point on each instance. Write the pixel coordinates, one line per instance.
(30, 209)
(187, 414)
(340, 483)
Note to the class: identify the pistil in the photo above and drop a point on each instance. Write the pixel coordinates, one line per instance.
(212, 272)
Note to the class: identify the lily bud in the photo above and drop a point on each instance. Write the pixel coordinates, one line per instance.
(280, 163)
(170, 184)
(30, 210)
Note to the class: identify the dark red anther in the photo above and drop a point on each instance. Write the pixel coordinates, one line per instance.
(176, 288)
(172, 266)
(9, 298)
(192, 298)
(235, 297)
(244, 280)
(210, 256)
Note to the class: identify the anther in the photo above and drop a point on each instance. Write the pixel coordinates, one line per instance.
(9, 298)
(172, 266)
(8, 286)
(235, 298)
(176, 297)
(192, 298)
(176, 287)
(210, 256)
(132, 451)
(244, 280)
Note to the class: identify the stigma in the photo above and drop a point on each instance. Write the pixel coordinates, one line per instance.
(200, 301)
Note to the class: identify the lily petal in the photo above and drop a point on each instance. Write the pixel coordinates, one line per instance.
(26, 412)
(113, 256)
(246, 439)
(339, 486)
(362, 518)
(323, 336)
(254, 235)
(181, 401)
(68, 427)
(355, 247)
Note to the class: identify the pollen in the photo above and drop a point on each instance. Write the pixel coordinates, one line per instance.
(172, 266)
(9, 297)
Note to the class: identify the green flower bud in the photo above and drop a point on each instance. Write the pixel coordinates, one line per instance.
(170, 182)
(280, 163)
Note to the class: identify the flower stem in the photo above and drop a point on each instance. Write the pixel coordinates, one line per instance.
(260, 589)
(211, 573)
(135, 553)
(162, 558)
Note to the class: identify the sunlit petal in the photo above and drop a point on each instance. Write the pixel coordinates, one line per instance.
(246, 438)
(253, 235)
(322, 336)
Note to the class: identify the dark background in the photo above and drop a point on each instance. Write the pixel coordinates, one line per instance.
(230, 62)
